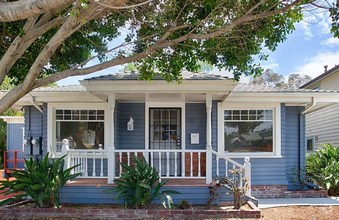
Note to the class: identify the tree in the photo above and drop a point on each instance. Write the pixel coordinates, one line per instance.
(44, 41)
(296, 80)
(270, 78)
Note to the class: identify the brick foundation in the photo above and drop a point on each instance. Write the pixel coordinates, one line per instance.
(126, 213)
(280, 191)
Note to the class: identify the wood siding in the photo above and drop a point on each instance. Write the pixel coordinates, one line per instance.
(323, 126)
(329, 83)
(36, 124)
(132, 139)
(196, 123)
(295, 142)
(94, 194)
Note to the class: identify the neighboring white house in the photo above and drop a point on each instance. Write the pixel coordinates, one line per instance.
(322, 126)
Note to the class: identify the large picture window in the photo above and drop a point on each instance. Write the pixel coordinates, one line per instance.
(252, 130)
(248, 131)
(83, 128)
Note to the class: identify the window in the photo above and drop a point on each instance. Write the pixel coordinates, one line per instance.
(317, 87)
(83, 126)
(309, 144)
(249, 130)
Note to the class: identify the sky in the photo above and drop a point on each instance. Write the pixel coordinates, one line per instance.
(306, 51)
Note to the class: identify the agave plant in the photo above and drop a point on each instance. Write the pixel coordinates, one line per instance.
(40, 180)
(135, 185)
(323, 167)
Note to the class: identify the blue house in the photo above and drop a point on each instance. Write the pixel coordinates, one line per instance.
(190, 132)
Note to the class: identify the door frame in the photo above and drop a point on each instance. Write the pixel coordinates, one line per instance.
(180, 105)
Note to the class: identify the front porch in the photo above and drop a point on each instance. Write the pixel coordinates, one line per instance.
(184, 168)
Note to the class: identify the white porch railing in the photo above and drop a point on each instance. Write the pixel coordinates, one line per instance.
(92, 162)
(183, 164)
(231, 164)
(169, 163)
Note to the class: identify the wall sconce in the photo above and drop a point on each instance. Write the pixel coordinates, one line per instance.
(130, 124)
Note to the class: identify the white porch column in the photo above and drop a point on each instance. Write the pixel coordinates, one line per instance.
(247, 174)
(110, 149)
(208, 138)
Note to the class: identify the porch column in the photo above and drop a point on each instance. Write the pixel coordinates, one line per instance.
(208, 138)
(110, 151)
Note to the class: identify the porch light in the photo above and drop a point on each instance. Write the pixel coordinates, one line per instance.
(130, 124)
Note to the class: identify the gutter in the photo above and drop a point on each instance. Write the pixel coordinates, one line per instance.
(36, 104)
(307, 109)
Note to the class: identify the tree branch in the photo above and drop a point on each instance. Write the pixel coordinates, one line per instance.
(18, 10)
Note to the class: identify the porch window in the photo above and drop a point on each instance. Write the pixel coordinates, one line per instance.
(248, 131)
(83, 128)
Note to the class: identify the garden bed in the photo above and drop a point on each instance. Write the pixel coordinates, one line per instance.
(109, 211)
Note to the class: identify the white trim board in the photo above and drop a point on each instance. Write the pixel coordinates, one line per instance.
(244, 106)
(181, 105)
(51, 121)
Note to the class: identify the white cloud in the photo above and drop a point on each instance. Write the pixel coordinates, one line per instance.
(330, 42)
(307, 30)
(315, 65)
(272, 66)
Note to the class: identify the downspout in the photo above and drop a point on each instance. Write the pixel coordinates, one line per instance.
(301, 145)
(35, 104)
(307, 109)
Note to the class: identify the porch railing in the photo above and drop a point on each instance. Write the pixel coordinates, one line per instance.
(169, 163)
(230, 164)
(93, 163)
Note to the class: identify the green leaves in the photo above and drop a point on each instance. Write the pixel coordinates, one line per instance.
(41, 180)
(323, 167)
(136, 182)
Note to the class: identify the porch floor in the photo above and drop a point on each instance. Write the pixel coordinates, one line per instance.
(103, 182)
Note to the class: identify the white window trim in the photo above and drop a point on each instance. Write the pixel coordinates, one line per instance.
(51, 119)
(222, 106)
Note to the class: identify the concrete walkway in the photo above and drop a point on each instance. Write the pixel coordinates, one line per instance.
(269, 203)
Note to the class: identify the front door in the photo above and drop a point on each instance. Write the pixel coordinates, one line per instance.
(165, 133)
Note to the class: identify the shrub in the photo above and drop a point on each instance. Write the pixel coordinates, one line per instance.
(298, 177)
(323, 167)
(183, 204)
(231, 183)
(135, 185)
(40, 180)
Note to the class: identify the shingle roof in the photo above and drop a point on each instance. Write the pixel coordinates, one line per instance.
(134, 75)
(248, 88)
(240, 88)
(68, 88)
(328, 72)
